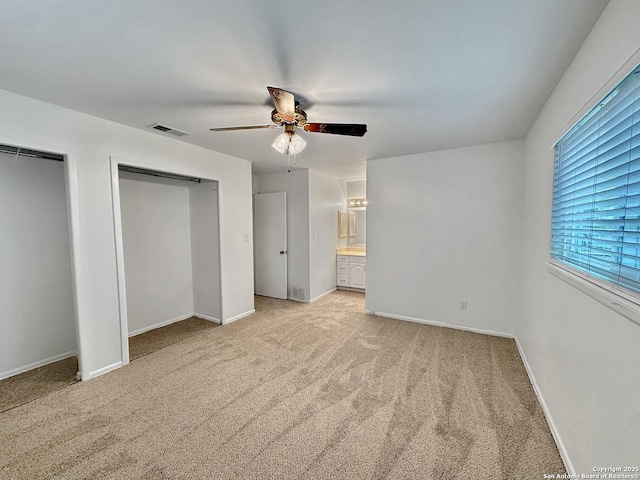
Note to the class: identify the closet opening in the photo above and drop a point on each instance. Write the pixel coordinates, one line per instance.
(168, 257)
(38, 320)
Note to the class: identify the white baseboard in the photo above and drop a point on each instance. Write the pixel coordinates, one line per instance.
(207, 317)
(315, 299)
(39, 363)
(103, 370)
(441, 324)
(554, 431)
(297, 300)
(161, 324)
(238, 317)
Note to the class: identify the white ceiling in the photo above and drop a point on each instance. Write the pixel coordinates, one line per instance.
(424, 75)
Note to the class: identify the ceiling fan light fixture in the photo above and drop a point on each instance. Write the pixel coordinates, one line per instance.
(289, 143)
(281, 143)
(296, 144)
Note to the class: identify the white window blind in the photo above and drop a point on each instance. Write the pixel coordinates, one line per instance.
(596, 190)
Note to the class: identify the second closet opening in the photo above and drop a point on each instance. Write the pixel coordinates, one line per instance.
(171, 250)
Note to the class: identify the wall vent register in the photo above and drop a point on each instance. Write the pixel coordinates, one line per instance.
(170, 130)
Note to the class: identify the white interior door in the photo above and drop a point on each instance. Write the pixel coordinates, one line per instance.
(270, 241)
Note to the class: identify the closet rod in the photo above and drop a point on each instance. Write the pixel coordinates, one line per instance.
(154, 173)
(25, 152)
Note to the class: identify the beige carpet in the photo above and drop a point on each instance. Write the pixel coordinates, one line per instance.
(317, 391)
(158, 338)
(37, 383)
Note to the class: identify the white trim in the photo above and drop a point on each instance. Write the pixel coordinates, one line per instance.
(440, 324)
(38, 364)
(73, 216)
(609, 85)
(221, 249)
(207, 317)
(120, 273)
(547, 413)
(607, 296)
(315, 299)
(77, 278)
(299, 300)
(238, 317)
(164, 323)
(103, 370)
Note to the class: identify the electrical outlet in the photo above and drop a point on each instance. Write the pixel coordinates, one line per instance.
(463, 304)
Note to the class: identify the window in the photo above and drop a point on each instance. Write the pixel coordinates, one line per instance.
(595, 227)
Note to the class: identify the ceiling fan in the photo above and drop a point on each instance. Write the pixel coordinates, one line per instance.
(289, 114)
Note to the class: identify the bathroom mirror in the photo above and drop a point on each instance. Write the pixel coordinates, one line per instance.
(342, 225)
(357, 227)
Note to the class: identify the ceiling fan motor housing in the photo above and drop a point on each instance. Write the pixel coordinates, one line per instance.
(300, 118)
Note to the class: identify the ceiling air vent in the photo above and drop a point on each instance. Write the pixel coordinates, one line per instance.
(171, 131)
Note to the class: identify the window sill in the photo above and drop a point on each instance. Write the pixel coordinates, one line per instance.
(608, 297)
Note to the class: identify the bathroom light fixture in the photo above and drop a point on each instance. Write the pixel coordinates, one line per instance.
(289, 142)
(358, 202)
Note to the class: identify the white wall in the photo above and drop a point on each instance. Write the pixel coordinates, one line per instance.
(313, 201)
(156, 235)
(37, 320)
(443, 227)
(326, 197)
(89, 142)
(296, 185)
(584, 356)
(205, 249)
(357, 189)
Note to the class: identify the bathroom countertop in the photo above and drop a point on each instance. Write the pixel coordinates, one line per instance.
(353, 253)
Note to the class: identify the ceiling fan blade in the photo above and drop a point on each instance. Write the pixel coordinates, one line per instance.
(285, 103)
(352, 129)
(251, 127)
